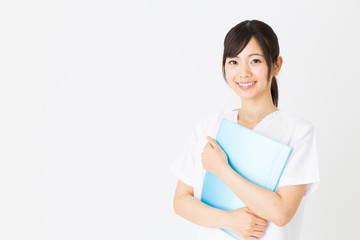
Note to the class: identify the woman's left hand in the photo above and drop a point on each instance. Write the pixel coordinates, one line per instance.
(213, 158)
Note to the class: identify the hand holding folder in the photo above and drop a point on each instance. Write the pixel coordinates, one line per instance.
(256, 157)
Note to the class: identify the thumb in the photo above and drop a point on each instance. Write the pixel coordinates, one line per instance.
(212, 141)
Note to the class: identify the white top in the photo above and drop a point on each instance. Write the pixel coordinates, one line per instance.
(301, 167)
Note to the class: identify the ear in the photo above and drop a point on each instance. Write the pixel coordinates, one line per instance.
(277, 65)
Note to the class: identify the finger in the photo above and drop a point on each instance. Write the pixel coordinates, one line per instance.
(257, 234)
(211, 141)
(207, 145)
(251, 212)
(252, 238)
(260, 228)
(257, 220)
(260, 221)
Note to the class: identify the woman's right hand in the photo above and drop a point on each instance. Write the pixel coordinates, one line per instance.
(244, 223)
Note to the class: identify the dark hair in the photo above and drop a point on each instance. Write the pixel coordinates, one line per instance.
(239, 36)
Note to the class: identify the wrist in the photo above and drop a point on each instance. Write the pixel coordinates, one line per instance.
(225, 171)
(223, 219)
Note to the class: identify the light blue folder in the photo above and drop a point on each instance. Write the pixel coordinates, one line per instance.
(254, 156)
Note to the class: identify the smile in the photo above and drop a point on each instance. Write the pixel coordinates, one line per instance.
(246, 85)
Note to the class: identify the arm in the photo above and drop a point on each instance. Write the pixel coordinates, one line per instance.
(242, 222)
(194, 210)
(278, 207)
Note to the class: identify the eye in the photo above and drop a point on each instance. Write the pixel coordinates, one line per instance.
(232, 62)
(256, 60)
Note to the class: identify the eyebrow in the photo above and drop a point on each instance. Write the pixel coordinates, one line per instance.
(253, 54)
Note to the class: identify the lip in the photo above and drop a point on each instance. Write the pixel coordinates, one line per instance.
(247, 87)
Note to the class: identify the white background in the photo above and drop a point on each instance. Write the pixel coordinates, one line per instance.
(98, 97)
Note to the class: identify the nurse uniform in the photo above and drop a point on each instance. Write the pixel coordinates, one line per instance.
(301, 168)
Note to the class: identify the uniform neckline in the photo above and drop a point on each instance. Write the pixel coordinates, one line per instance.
(266, 119)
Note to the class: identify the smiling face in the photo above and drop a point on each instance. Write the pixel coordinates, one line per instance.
(247, 73)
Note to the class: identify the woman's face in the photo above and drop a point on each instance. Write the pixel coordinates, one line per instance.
(247, 73)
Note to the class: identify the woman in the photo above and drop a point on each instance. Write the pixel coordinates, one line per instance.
(250, 64)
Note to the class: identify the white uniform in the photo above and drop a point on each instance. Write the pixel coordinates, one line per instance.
(301, 168)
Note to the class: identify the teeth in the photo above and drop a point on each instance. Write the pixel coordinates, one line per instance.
(247, 84)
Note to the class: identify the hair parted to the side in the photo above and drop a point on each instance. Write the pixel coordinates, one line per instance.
(239, 36)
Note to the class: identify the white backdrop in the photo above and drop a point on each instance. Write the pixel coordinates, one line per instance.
(98, 97)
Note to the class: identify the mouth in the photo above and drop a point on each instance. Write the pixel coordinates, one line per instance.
(246, 85)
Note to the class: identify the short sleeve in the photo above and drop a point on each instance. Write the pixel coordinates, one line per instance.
(302, 166)
(184, 167)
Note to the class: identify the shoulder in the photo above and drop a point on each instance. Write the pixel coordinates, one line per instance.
(294, 120)
(214, 118)
(210, 123)
(294, 124)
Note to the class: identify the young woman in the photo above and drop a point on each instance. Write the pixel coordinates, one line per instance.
(251, 63)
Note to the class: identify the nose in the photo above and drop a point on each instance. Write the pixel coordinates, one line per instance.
(244, 71)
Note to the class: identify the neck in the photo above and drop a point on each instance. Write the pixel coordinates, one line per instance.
(254, 110)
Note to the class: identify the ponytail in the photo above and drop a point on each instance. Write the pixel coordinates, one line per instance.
(274, 91)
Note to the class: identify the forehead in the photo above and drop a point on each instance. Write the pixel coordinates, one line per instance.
(250, 48)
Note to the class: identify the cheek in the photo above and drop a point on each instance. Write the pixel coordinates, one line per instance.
(230, 74)
(260, 72)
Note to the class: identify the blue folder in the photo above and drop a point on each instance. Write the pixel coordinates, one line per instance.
(254, 156)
